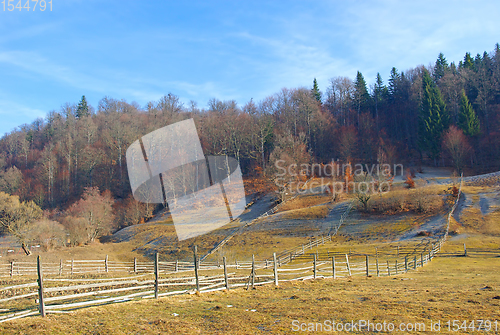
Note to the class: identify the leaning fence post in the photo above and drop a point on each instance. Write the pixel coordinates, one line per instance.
(106, 264)
(156, 275)
(333, 267)
(40, 286)
(225, 273)
(314, 266)
(253, 271)
(347, 263)
(465, 251)
(195, 252)
(367, 272)
(275, 270)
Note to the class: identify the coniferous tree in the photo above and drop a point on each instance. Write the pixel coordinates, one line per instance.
(467, 118)
(440, 68)
(315, 91)
(379, 92)
(468, 62)
(433, 119)
(393, 80)
(361, 96)
(83, 108)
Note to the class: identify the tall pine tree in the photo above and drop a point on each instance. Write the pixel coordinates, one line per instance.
(315, 91)
(467, 118)
(433, 120)
(379, 93)
(440, 68)
(83, 108)
(361, 96)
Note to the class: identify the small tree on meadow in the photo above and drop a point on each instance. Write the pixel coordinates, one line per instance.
(94, 213)
(458, 147)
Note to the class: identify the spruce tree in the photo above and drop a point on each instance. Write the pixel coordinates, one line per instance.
(440, 68)
(315, 91)
(393, 82)
(434, 119)
(361, 92)
(468, 61)
(379, 93)
(361, 96)
(467, 118)
(83, 108)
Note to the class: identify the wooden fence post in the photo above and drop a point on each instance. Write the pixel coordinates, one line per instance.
(72, 266)
(414, 262)
(314, 266)
(156, 275)
(302, 249)
(275, 270)
(60, 267)
(135, 264)
(176, 265)
(11, 268)
(367, 272)
(195, 251)
(348, 267)
(40, 286)
(396, 266)
(106, 264)
(422, 259)
(378, 272)
(388, 269)
(333, 267)
(253, 271)
(465, 251)
(406, 263)
(225, 273)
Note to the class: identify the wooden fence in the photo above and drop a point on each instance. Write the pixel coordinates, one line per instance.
(72, 284)
(58, 294)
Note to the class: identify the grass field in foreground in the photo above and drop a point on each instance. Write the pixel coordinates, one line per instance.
(449, 288)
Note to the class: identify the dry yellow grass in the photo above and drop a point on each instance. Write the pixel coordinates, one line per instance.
(449, 288)
(304, 202)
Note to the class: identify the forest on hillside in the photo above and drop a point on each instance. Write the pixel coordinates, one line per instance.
(446, 114)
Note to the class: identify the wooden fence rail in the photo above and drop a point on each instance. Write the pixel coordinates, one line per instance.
(145, 280)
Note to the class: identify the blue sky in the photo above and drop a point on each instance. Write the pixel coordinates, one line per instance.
(198, 50)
